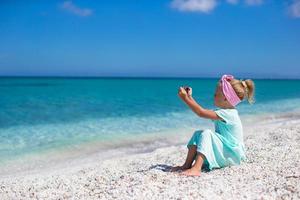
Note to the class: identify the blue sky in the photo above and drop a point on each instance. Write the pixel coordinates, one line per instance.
(253, 38)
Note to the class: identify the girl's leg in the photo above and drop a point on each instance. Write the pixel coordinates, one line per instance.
(189, 159)
(196, 169)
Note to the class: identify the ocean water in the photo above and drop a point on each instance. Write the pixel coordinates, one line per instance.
(43, 114)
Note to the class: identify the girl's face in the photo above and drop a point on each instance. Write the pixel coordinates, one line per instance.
(219, 99)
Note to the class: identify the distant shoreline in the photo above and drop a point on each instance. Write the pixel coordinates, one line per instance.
(138, 77)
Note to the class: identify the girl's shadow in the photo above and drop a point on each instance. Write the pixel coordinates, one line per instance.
(162, 167)
(165, 168)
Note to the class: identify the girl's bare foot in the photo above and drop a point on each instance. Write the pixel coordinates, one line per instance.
(177, 168)
(191, 172)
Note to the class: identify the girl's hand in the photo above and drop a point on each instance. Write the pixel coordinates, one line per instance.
(182, 93)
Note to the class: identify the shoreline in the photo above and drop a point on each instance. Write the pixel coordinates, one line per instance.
(87, 152)
(271, 171)
(127, 145)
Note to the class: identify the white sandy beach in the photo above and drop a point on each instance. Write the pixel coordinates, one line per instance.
(272, 171)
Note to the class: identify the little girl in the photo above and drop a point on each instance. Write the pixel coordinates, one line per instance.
(225, 146)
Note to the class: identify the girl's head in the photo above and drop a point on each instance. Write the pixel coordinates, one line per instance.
(242, 89)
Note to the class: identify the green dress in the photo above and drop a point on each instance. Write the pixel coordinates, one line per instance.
(224, 146)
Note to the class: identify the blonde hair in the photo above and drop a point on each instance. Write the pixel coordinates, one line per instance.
(244, 89)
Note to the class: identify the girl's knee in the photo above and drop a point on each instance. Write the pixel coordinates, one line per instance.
(201, 132)
(206, 132)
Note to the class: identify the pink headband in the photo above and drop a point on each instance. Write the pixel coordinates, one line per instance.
(228, 91)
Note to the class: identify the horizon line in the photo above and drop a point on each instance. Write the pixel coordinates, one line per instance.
(138, 77)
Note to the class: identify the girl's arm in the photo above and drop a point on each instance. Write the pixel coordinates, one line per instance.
(199, 110)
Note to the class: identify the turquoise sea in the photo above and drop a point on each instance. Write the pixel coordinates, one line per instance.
(45, 114)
